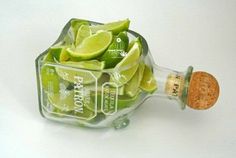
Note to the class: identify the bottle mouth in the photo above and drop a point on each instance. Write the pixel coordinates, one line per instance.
(177, 85)
(187, 78)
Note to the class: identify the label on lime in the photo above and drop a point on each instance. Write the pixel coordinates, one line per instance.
(109, 98)
(74, 102)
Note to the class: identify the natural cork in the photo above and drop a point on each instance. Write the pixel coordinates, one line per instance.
(203, 91)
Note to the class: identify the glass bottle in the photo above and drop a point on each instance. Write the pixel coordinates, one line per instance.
(96, 99)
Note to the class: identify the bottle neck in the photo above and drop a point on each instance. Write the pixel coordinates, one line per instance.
(172, 84)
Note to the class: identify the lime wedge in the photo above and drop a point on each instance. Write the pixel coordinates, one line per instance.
(132, 87)
(148, 82)
(99, 117)
(92, 46)
(55, 51)
(48, 57)
(116, 51)
(76, 23)
(69, 73)
(69, 37)
(64, 55)
(125, 70)
(123, 102)
(86, 114)
(49, 78)
(62, 102)
(83, 32)
(65, 104)
(59, 53)
(93, 100)
(115, 27)
(121, 90)
(103, 79)
(137, 40)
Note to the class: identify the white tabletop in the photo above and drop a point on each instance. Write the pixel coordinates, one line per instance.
(179, 33)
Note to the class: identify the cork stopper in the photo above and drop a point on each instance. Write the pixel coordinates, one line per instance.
(203, 91)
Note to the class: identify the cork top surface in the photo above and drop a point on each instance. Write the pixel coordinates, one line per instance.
(203, 91)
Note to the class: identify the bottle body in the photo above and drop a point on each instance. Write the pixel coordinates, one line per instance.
(100, 98)
(96, 103)
(89, 97)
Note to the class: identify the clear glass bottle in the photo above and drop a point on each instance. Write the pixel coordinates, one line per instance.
(94, 98)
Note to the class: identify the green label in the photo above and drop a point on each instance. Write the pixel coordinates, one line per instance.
(109, 98)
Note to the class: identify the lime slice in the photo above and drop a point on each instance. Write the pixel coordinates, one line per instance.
(148, 82)
(49, 78)
(99, 117)
(83, 32)
(123, 101)
(76, 23)
(92, 46)
(137, 40)
(48, 57)
(93, 100)
(85, 115)
(115, 27)
(132, 87)
(116, 51)
(121, 90)
(69, 37)
(65, 104)
(102, 80)
(59, 53)
(69, 73)
(55, 51)
(125, 70)
(64, 55)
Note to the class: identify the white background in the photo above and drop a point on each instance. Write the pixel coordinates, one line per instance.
(180, 33)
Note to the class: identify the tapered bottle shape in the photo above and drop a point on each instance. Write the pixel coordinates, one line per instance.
(198, 90)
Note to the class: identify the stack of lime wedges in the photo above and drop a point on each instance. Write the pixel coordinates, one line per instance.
(96, 55)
